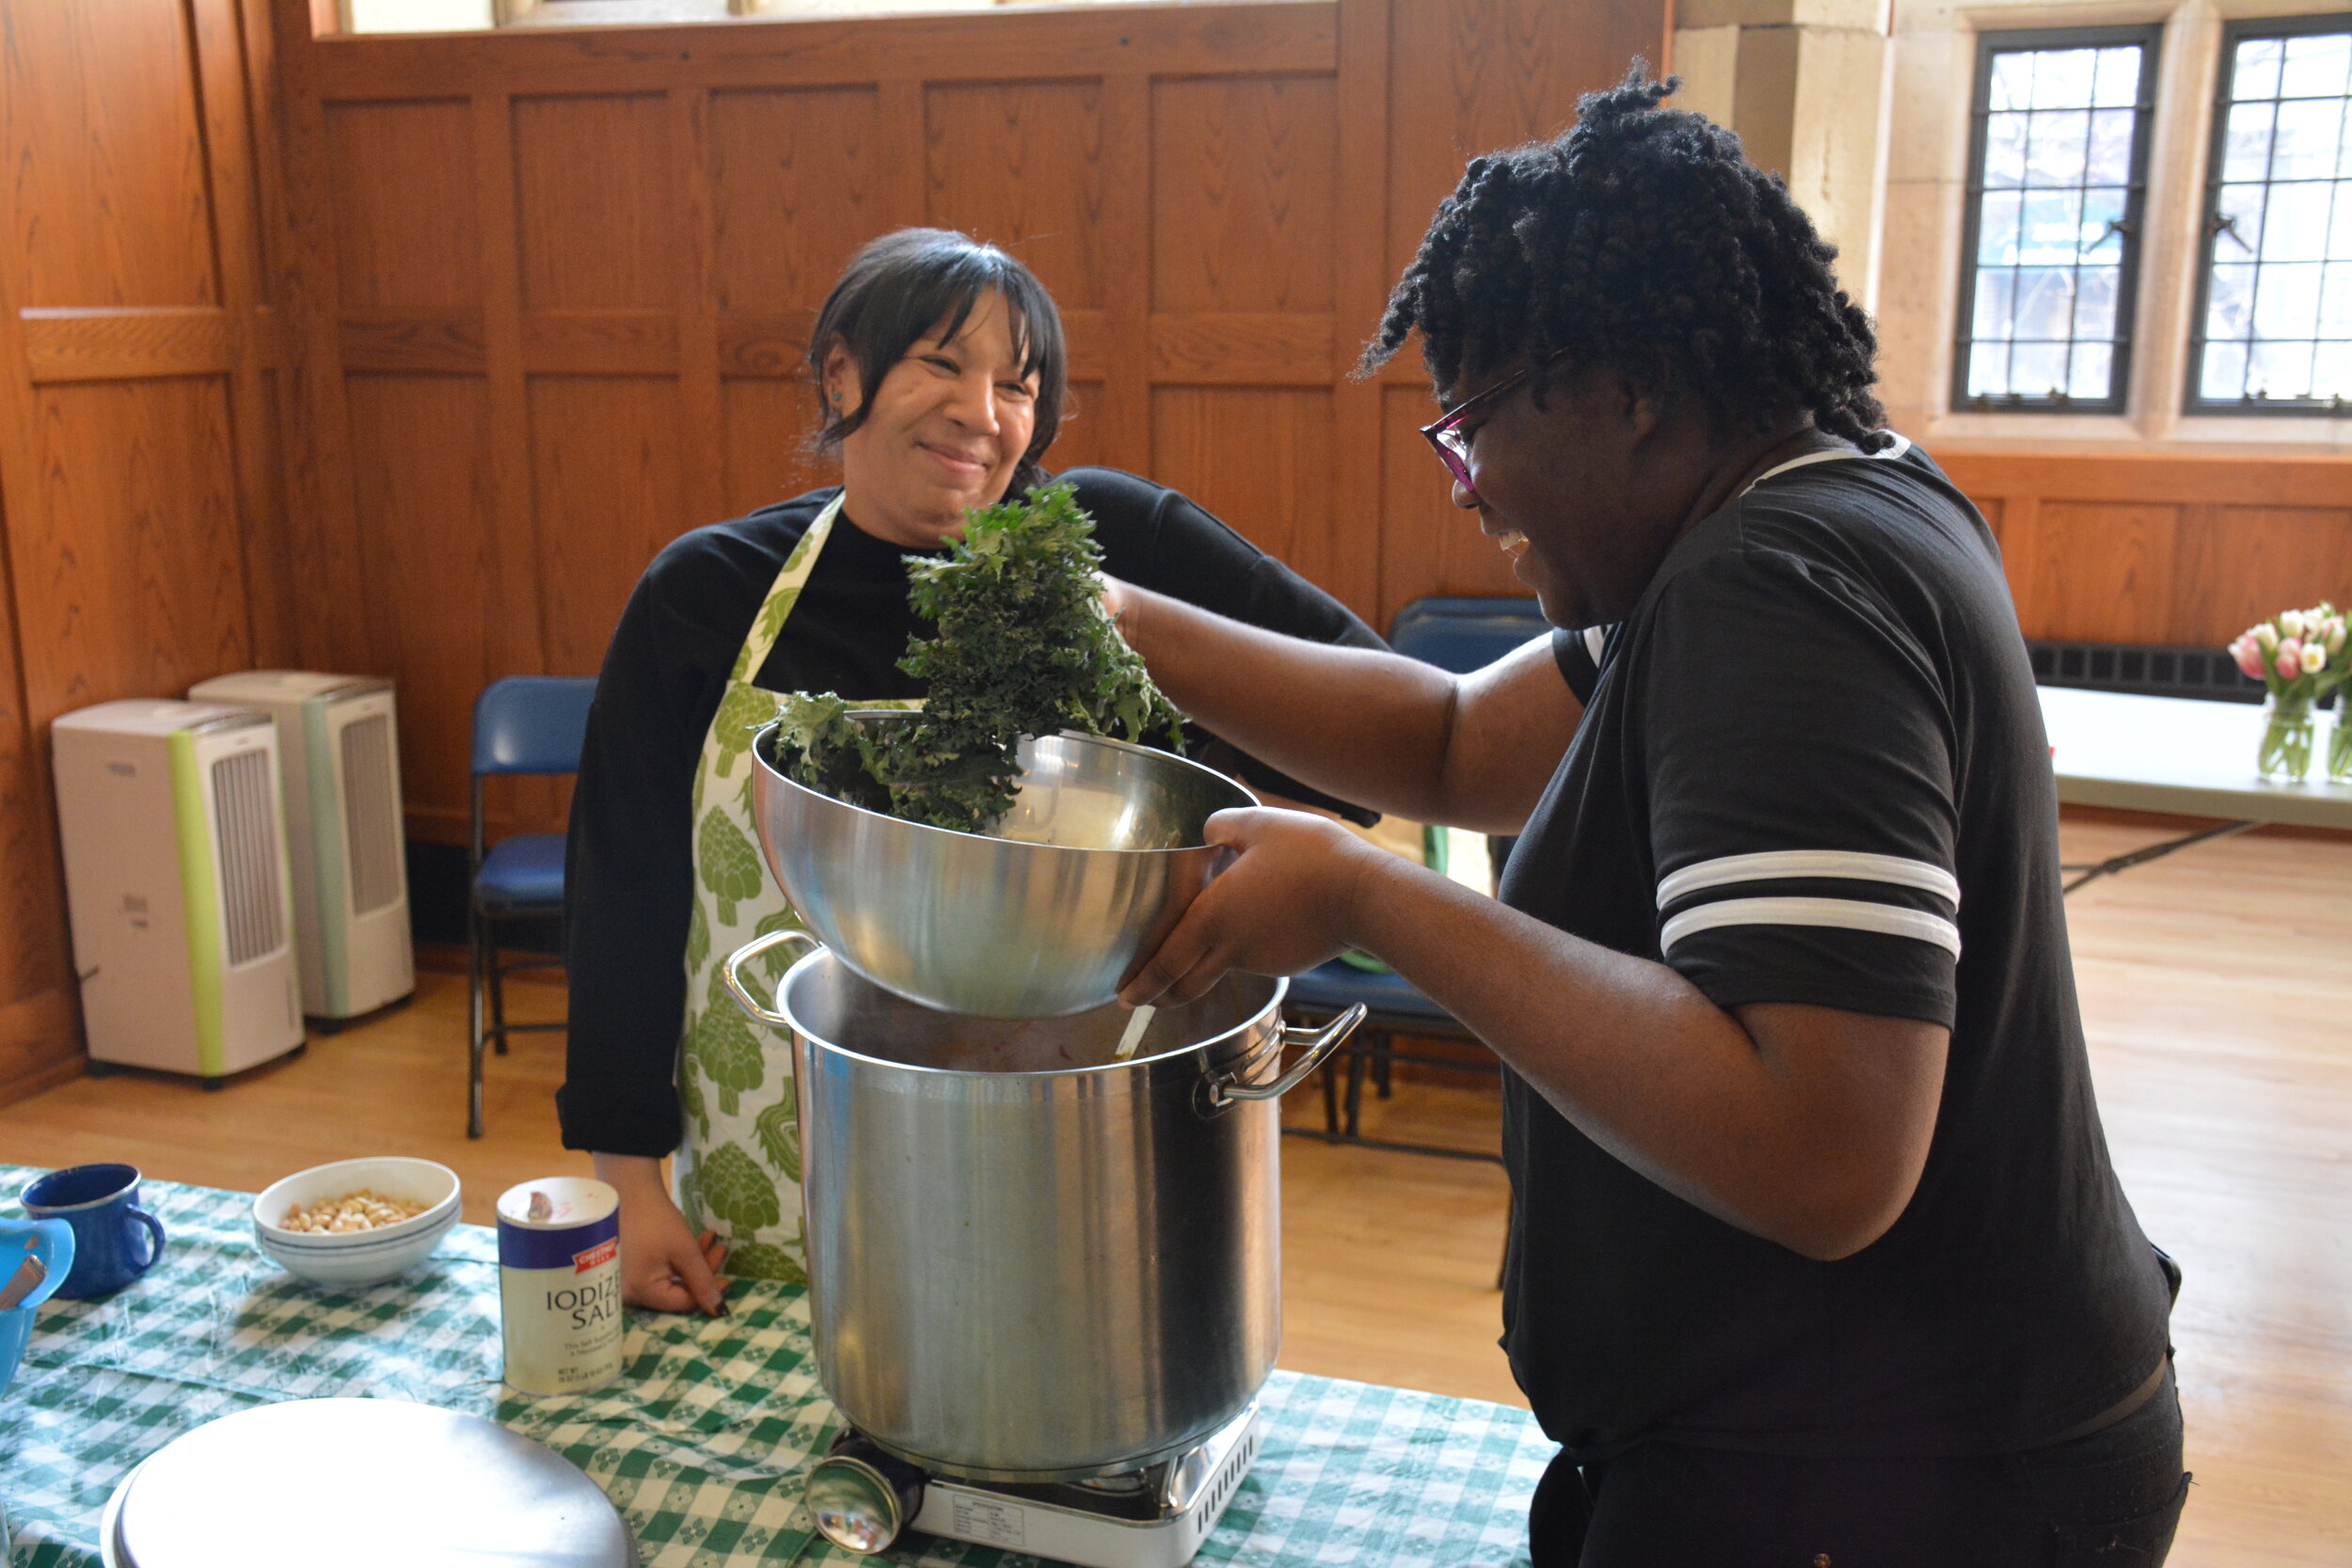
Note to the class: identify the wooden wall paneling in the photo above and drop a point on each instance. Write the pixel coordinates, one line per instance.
(103, 121)
(799, 178)
(1076, 42)
(234, 179)
(1081, 443)
(2249, 562)
(128, 555)
(1122, 219)
(768, 421)
(332, 629)
(420, 462)
(797, 183)
(121, 343)
(902, 134)
(1468, 76)
(702, 414)
(408, 232)
(607, 481)
(595, 179)
(2099, 570)
(1244, 188)
(38, 1002)
(1349, 559)
(518, 643)
(1258, 457)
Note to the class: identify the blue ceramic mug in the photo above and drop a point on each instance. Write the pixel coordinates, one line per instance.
(115, 1240)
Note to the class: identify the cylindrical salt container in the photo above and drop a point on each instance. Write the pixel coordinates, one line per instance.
(559, 1285)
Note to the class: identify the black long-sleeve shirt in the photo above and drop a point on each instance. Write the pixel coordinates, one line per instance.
(629, 876)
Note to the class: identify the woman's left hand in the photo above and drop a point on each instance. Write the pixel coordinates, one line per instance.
(1285, 905)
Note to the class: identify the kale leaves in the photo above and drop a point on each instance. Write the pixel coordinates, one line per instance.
(1022, 649)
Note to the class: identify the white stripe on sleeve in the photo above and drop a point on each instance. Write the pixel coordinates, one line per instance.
(1779, 866)
(1846, 913)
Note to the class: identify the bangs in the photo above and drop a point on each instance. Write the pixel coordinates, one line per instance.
(907, 285)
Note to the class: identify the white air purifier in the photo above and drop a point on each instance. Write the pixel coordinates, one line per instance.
(339, 753)
(177, 886)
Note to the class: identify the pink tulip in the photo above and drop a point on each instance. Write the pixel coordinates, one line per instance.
(2249, 658)
(2314, 659)
(2290, 660)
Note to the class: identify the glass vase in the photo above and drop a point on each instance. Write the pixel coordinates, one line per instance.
(2287, 730)
(2340, 741)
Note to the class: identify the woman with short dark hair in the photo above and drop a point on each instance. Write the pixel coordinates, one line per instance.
(941, 372)
(1817, 1256)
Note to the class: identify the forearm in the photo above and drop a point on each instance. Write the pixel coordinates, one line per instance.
(1640, 1060)
(1373, 727)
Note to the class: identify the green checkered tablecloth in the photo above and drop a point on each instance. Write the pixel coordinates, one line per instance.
(702, 1440)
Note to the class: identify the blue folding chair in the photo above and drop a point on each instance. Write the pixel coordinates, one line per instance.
(1458, 635)
(521, 724)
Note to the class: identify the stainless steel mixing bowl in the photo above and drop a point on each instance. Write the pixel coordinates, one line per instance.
(1042, 918)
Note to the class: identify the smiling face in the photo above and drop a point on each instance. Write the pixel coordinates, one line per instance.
(1585, 494)
(948, 425)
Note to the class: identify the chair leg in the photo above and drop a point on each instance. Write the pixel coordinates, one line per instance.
(1330, 1076)
(1382, 1060)
(498, 999)
(1355, 1054)
(474, 986)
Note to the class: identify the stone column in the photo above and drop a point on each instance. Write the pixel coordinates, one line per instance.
(1804, 83)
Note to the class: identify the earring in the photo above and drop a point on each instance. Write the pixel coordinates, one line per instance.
(836, 397)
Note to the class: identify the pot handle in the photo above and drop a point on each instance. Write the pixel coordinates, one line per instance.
(1224, 1089)
(731, 976)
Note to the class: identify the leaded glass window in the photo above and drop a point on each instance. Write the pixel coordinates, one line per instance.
(2057, 179)
(2274, 314)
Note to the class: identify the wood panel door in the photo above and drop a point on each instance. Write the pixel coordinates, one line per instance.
(140, 488)
(559, 284)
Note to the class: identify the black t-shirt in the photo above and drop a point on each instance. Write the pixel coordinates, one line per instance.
(1811, 769)
(629, 883)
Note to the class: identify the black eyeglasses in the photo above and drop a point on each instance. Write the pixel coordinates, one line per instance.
(1446, 435)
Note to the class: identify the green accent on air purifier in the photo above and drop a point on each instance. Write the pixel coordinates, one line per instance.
(328, 872)
(199, 897)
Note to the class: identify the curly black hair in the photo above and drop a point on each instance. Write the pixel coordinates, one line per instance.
(1643, 240)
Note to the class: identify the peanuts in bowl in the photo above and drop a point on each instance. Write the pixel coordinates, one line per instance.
(360, 1211)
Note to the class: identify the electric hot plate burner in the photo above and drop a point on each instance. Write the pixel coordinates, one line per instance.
(1156, 1518)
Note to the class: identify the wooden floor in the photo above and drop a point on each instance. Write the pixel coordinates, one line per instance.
(2216, 987)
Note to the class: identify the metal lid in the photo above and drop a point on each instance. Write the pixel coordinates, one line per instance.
(360, 1483)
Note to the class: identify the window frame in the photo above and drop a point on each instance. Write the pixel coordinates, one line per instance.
(2193, 404)
(2150, 37)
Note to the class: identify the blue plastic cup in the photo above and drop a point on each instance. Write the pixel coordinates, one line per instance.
(115, 1240)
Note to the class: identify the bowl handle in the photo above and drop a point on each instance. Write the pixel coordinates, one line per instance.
(1225, 1088)
(731, 976)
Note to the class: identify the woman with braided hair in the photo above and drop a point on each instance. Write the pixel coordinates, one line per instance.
(1817, 1255)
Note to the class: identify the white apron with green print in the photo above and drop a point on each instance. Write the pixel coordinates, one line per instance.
(738, 1170)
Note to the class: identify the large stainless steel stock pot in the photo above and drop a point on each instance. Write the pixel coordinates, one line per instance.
(1029, 1261)
(1041, 917)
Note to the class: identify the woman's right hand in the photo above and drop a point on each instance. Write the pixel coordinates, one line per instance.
(665, 1267)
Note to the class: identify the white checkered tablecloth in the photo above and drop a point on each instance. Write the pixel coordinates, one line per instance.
(702, 1442)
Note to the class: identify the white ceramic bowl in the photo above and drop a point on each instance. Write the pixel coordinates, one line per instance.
(356, 1258)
